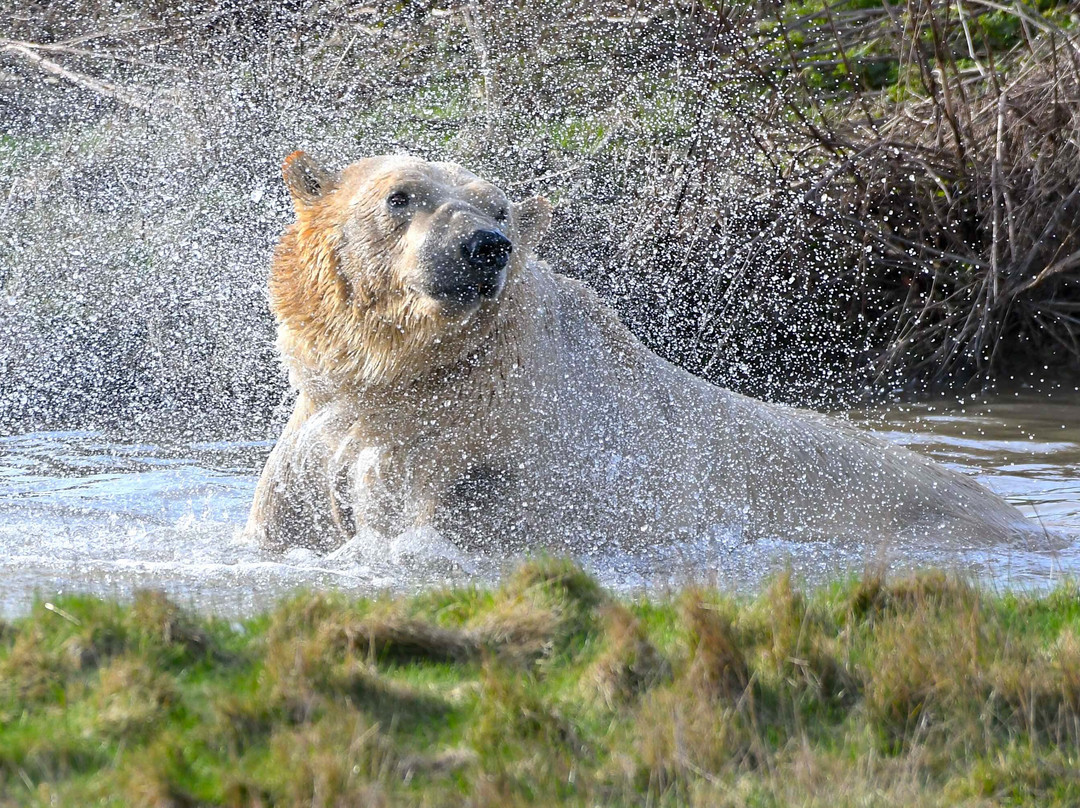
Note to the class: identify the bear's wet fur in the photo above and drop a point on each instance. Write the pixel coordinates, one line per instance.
(477, 393)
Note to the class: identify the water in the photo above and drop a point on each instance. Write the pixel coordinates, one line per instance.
(88, 512)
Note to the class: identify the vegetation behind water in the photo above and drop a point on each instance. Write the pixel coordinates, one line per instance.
(787, 198)
(547, 690)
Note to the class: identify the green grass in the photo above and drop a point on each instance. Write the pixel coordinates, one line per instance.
(857, 35)
(548, 690)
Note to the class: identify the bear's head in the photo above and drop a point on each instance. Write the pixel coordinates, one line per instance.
(394, 267)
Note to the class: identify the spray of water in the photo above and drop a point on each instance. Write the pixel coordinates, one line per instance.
(140, 199)
(140, 164)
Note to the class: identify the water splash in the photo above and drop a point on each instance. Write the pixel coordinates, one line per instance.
(137, 228)
(85, 512)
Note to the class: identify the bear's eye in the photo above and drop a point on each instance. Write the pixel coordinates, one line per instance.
(397, 200)
(501, 214)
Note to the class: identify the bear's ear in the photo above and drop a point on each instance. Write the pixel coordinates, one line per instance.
(306, 180)
(533, 217)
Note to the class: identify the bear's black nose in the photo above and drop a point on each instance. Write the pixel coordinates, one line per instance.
(486, 250)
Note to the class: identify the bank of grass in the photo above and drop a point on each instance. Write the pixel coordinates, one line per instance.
(548, 690)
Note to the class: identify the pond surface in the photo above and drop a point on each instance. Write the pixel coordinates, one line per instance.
(88, 512)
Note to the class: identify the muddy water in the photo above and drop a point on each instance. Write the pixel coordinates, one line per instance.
(89, 512)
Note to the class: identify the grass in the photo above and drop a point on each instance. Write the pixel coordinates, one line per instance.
(548, 690)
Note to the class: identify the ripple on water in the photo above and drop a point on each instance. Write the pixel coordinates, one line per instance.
(81, 511)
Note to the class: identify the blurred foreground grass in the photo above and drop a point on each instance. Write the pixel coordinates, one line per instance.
(548, 690)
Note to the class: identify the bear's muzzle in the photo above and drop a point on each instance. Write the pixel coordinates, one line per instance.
(486, 255)
(474, 272)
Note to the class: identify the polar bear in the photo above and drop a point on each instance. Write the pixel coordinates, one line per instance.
(448, 380)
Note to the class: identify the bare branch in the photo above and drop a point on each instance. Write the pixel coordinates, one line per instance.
(114, 91)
